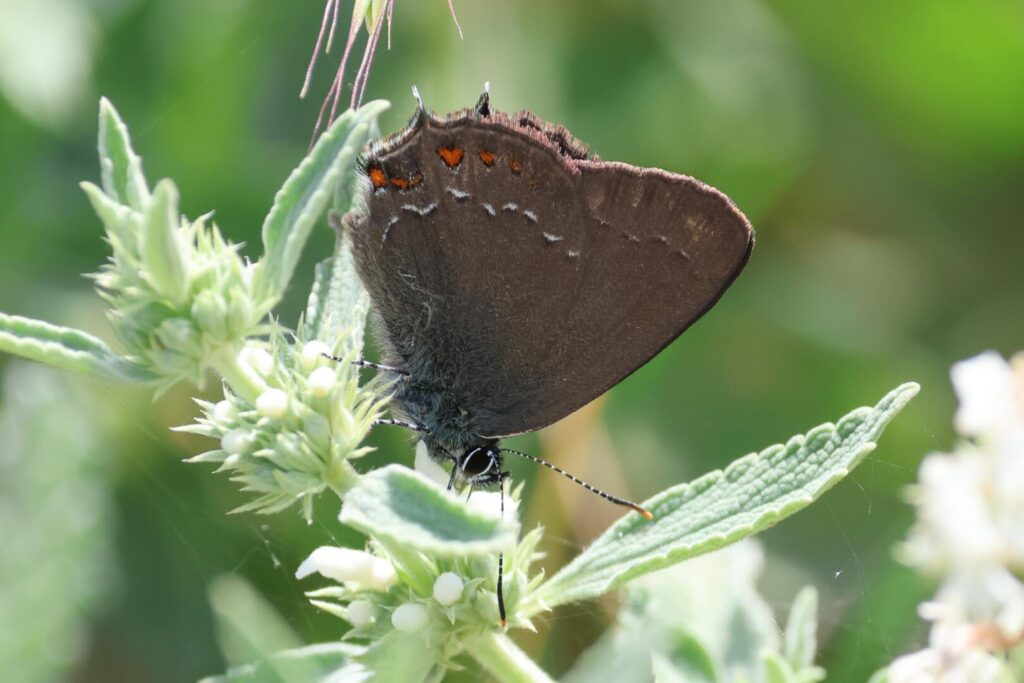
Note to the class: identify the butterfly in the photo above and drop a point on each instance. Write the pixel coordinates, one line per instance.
(515, 277)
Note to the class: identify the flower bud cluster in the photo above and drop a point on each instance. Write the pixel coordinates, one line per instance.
(445, 601)
(294, 439)
(970, 531)
(180, 294)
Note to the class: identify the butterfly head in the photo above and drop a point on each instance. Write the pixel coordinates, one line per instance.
(480, 466)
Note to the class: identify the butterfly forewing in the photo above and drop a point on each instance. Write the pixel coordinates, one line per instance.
(522, 282)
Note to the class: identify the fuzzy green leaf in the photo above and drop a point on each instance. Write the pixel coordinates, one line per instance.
(338, 303)
(326, 659)
(802, 629)
(163, 261)
(722, 507)
(249, 630)
(402, 507)
(66, 348)
(307, 192)
(120, 166)
(687, 660)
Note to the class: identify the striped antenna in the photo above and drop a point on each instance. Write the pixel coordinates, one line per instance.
(607, 496)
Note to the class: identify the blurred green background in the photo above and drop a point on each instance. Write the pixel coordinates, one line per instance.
(877, 147)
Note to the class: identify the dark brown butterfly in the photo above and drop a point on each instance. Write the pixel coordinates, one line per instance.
(516, 278)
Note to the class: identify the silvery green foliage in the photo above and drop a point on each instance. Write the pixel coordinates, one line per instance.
(182, 299)
(56, 525)
(436, 605)
(716, 632)
(296, 438)
(705, 622)
(753, 493)
(423, 591)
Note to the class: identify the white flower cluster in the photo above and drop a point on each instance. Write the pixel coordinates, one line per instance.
(970, 531)
(385, 591)
(293, 440)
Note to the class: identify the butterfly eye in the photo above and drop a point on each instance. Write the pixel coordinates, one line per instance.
(476, 463)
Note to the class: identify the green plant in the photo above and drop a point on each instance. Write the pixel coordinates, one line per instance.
(422, 593)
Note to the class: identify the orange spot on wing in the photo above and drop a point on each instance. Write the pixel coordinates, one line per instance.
(515, 166)
(416, 179)
(378, 178)
(487, 157)
(400, 183)
(451, 156)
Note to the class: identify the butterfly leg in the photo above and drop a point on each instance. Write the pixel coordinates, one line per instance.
(401, 423)
(367, 364)
(501, 556)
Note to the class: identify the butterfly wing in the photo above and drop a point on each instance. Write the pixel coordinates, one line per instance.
(525, 279)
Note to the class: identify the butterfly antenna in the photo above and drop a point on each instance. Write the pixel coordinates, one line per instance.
(501, 556)
(607, 496)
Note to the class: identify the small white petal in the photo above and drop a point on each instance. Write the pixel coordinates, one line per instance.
(224, 411)
(321, 381)
(428, 467)
(984, 386)
(313, 352)
(235, 442)
(448, 588)
(924, 666)
(410, 617)
(272, 403)
(489, 503)
(257, 358)
(232, 460)
(361, 613)
(345, 565)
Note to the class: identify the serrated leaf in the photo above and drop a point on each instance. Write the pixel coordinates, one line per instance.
(802, 629)
(400, 506)
(67, 348)
(307, 192)
(722, 507)
(338, 303)
(120, 166)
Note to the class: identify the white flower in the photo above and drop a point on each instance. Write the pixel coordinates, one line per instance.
(490, 503)
(1007, 491)
(258, 359)
(428, 467)
(410, 617)
(224, 412)
(932, 666)
(955, 525)
(236, 441)
(361, 613)
(987, 389)
(272, 403)
(345, 565)
(448, 588)
(321, 381)
(312, 353)
(991, 599)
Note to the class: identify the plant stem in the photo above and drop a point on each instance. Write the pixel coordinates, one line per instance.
(505, 661)
(242, 380)
(341, 477)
